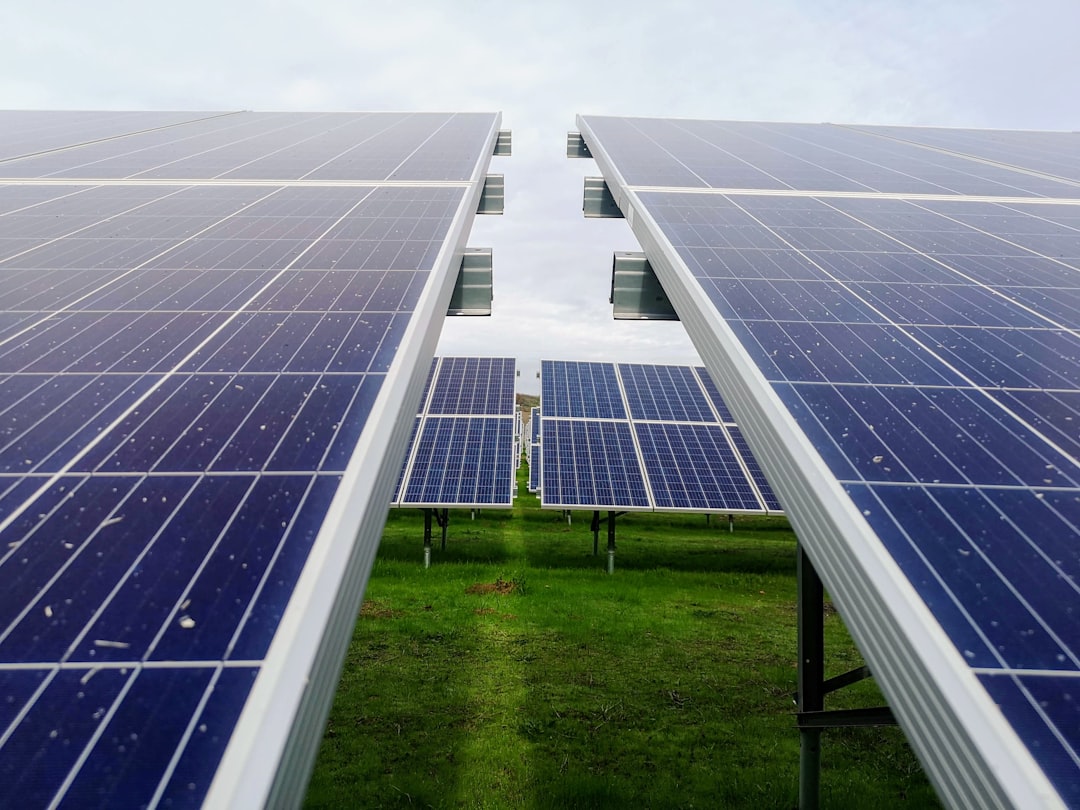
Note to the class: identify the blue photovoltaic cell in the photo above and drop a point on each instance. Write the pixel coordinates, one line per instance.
(185, 371)
(768, 496)
(811, 157)
(1044, 712)
(689, 462)
(928, 350)
(713, 394)
(590, 463)
(664, 393)
(587, 390)
(1054, 153)
(463, 461)
(535, 460)
(460, 461)
(474, 385)
(693, 467)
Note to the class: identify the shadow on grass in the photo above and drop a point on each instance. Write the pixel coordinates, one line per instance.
(470, 537)
(645, 542)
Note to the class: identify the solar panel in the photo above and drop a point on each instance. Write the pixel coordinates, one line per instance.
(462, 451)
(532, 449)
(212, 325)
(669, 451)
(586, 390)
(894, 313)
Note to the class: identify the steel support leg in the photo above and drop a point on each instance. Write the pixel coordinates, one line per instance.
(427, 538)
(595, 526)
(443, 523)
(811, 629)
(610, 542)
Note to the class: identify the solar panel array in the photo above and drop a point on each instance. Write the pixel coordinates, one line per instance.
(641, 437)
(895, 316)
(209, 327)
(464, 456)
(532, 450)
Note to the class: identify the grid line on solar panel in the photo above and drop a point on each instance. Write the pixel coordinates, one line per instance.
(775, 156)
(468, 391)
(591, 464)
(591, 390)
(461, 460)
(375, 148)
(107, 126)
(992, 147)
(299, 409)
(666, 405)
(166, 375)
(942, 408)
(693, 467)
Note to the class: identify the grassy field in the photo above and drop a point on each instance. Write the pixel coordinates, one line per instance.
(516, 673)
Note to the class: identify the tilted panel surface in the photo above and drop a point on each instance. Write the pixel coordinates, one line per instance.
(692, 467)
(807, 157)
(187, 369)
(590, 464)
(474, 385)
(1052, 153)
(927, 347)
(682, 454)
(533, 449)
(664, 393)
(576, 389)
(689, 461)
(26, 132)
(469, 459)
(462, 461)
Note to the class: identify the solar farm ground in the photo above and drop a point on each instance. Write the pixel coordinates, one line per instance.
(516, 673)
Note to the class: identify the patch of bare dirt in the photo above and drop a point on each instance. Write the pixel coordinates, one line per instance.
(378, 609)
(499, 586)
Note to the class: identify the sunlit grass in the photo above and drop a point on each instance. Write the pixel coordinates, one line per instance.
(665, 685)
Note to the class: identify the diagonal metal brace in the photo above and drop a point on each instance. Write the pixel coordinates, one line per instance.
(840, 718)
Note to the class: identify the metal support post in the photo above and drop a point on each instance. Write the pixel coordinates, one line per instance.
(610, 542)
(595, 527)
(811, 678)
(731, 524)
(443, 523)
(427, 538)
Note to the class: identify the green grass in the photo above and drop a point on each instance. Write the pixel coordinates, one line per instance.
(665, 685)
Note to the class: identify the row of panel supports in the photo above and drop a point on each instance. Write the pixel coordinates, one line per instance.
(442, 518)
(594, 527)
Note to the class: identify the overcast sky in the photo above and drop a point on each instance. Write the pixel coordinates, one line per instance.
(981, 63)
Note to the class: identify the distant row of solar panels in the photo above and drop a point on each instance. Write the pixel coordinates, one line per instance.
(532, 450)
(642, 437)
(463, 446)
